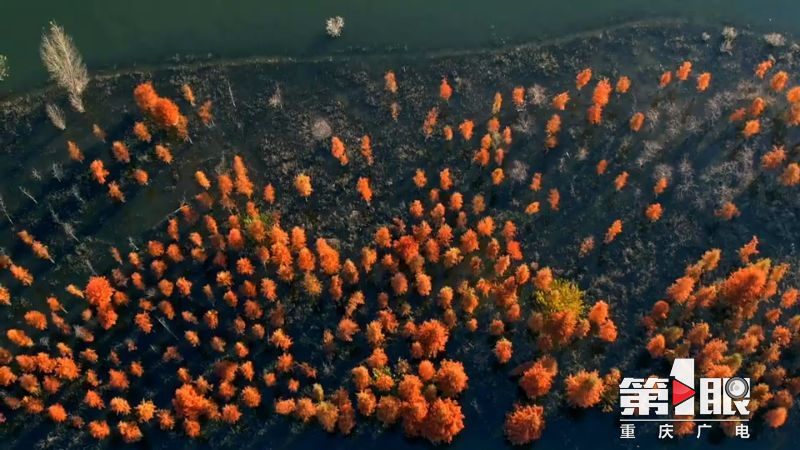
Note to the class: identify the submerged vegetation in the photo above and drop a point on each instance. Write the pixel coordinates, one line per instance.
(424, 246)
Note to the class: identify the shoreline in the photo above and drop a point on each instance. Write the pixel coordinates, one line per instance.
(103, 75)
(692, 145)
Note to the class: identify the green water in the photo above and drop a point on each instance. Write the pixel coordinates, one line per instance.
(122, 33)
(632, 273)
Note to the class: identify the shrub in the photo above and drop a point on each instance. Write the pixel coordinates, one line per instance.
(562, 296)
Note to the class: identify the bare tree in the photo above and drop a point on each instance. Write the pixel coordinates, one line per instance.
(58, 172)
(69, 230)
(276, 100)
(56, 116)
(775, 39)
(321, 129)
(3, 67)
(334, 26)
(64, 62)
(5, 210)
(27, 194)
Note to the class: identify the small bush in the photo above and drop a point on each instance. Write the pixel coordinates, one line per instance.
(563, 295)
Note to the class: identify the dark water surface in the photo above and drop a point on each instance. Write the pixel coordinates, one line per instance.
(276, 144)
(123, 33)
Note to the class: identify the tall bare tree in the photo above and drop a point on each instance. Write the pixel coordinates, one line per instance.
(64, 62)
(56, 116)
(3, 67)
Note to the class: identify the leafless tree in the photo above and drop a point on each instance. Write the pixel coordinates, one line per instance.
(729, 34)
(64, 62)
(58, 172)
(69, 230)
(276, 100)
(230, 93)
(56, 116)
(3, 67)
(27, 194)
(537, 95)
(334, 26)
(166, 327)
(775, 39)
(321, 129)
(5, 211)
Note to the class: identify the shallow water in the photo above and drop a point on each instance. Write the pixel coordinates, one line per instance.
(122, 34)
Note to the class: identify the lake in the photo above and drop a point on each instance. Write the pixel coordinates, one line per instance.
(702, 153)
(122, 34)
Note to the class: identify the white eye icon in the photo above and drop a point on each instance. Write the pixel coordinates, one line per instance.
(737, 388)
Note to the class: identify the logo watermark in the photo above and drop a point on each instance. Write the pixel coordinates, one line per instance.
(676, 399)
